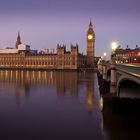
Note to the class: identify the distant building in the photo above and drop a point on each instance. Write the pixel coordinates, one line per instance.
(23, 57)
(127, 55)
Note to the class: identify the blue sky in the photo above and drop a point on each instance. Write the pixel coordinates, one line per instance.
(44, 23)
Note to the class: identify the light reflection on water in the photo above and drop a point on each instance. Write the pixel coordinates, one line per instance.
(49, 105)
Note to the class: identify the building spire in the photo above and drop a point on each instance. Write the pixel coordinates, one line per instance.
(18, 42)
(90, 24)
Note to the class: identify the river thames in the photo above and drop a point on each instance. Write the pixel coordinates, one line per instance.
(40, 105)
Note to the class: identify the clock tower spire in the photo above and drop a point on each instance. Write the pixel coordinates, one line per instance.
(90, 39)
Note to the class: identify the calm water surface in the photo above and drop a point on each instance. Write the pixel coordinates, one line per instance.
(40, 105)
(49, 105)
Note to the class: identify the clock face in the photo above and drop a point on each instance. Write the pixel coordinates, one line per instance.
(90, 37)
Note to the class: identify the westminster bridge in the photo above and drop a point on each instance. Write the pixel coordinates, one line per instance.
(121, 77)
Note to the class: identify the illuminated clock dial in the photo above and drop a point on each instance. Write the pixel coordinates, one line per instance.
(90, 37)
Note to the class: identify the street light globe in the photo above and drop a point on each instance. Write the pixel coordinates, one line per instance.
(114, 45)
(105, 54)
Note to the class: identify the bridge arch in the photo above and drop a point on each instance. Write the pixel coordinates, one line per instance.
(128, 87)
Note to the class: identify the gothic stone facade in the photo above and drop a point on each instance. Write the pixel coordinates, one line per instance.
(62, 59)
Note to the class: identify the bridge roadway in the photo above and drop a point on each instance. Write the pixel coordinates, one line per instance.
(130, 69)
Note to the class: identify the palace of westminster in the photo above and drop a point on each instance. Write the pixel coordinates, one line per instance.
(23, 57)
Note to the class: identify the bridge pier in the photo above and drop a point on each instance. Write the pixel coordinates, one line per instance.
(100, 69)
(113, 90)
(106, 83)
(113, 75)
(113, 78)
(104, 68)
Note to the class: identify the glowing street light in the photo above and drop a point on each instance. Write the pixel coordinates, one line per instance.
(105, 54)
(114, 45)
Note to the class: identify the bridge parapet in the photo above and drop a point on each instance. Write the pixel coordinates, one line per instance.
(129, 69)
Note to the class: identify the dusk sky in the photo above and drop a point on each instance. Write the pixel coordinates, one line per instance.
(44, 23)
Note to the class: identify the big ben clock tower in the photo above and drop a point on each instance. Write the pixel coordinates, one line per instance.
(90, 45)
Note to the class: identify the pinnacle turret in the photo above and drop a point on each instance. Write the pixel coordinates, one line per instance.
(18, 42)
(90, 24)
